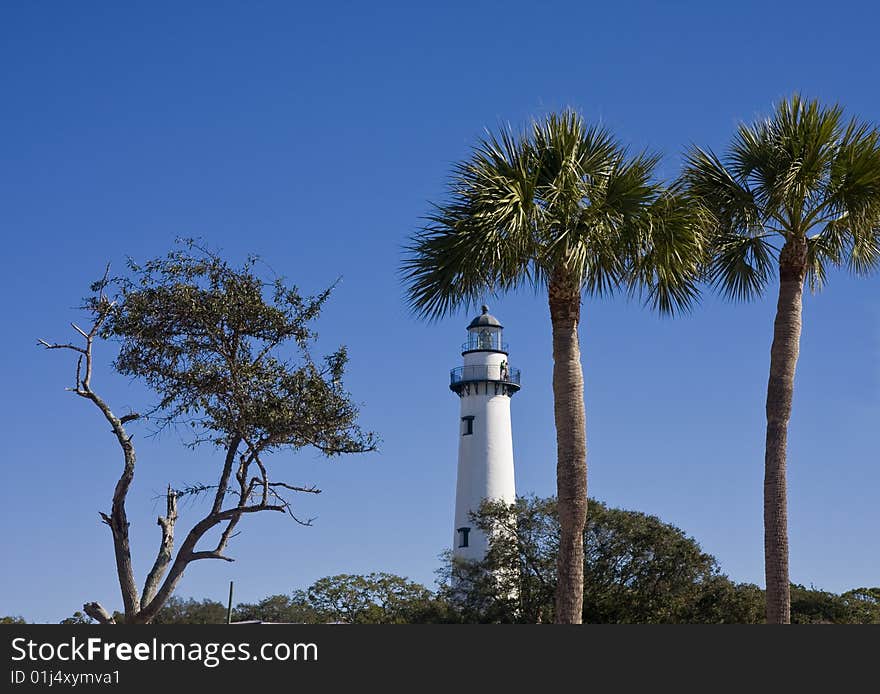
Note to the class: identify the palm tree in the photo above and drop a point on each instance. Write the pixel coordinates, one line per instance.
(563, 208)
(801, 188)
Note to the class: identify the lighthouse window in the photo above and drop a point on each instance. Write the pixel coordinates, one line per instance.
(468, 426)
(463, 537)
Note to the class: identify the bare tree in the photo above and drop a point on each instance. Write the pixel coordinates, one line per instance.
(215, 344)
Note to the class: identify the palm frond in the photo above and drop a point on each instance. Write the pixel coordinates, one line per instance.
(753, 160)
(802, 172)
(562, 198)
(668, 266)
(842, 243)
(819, 252)
(731, 203)
(457, 260)
(784, 159)
(805, 136)
(741, 266)
(604, 238)
(864, 256)
(853, 187)
(481, 240)
(567, 156)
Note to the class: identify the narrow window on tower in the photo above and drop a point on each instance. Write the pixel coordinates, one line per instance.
(468, 427)
(463, 536)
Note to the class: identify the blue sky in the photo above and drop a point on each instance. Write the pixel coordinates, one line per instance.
(315, 135)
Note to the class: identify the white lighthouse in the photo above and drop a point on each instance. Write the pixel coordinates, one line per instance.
(485, 385)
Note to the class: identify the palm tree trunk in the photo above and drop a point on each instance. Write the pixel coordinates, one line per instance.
(571, 448)
(780, 388)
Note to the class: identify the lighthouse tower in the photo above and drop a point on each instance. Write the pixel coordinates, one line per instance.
(484, 385)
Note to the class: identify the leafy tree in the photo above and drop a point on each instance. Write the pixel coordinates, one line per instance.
(862, 605)
(516, 582)
(710, 598)
(226, 352)
(474, 595)
(637, 570)
(294, 608)
(563, 208)
(179, 611)
(723, 602)
(377, 598)
(811, 606)
(640, 569)
(7, 619)
(800, 191)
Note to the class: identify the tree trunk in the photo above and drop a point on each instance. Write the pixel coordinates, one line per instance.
(119, 528)
(780, 387)
(571, 448)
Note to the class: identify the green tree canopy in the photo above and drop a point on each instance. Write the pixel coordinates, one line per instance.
(377, 598)
(294, 608)
(637, 569)
(7, 619)
(190, 611)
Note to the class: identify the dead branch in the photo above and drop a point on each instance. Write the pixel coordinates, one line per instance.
(98, 613)
(308, 490)
(58, 345)
(187, 553)
(166, 547)
(117, 520)
(255, 457)
(195, 556)
(231, 450)
(80, 330)
(288, 507)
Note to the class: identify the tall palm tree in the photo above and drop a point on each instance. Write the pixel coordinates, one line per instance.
(564, 208)
(801, 189)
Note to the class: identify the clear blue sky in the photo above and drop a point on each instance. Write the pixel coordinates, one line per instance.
(315, 135)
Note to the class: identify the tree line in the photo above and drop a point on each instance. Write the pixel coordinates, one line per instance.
(637, 569)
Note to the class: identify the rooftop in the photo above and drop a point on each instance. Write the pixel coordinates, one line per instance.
(485, 319)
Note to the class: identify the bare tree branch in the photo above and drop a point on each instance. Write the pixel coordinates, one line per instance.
(289, 509)
(308, 490)
(227, 533)
(195, 556)
(187, 551)
(57, 345)
(166, 547)
(255, 456)
(98, 613)
(231, 450)
(117, 520)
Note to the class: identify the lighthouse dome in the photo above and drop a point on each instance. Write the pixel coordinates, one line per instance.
(485, 320)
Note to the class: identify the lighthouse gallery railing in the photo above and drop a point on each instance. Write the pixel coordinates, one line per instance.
(484, 343)
(482, 372)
